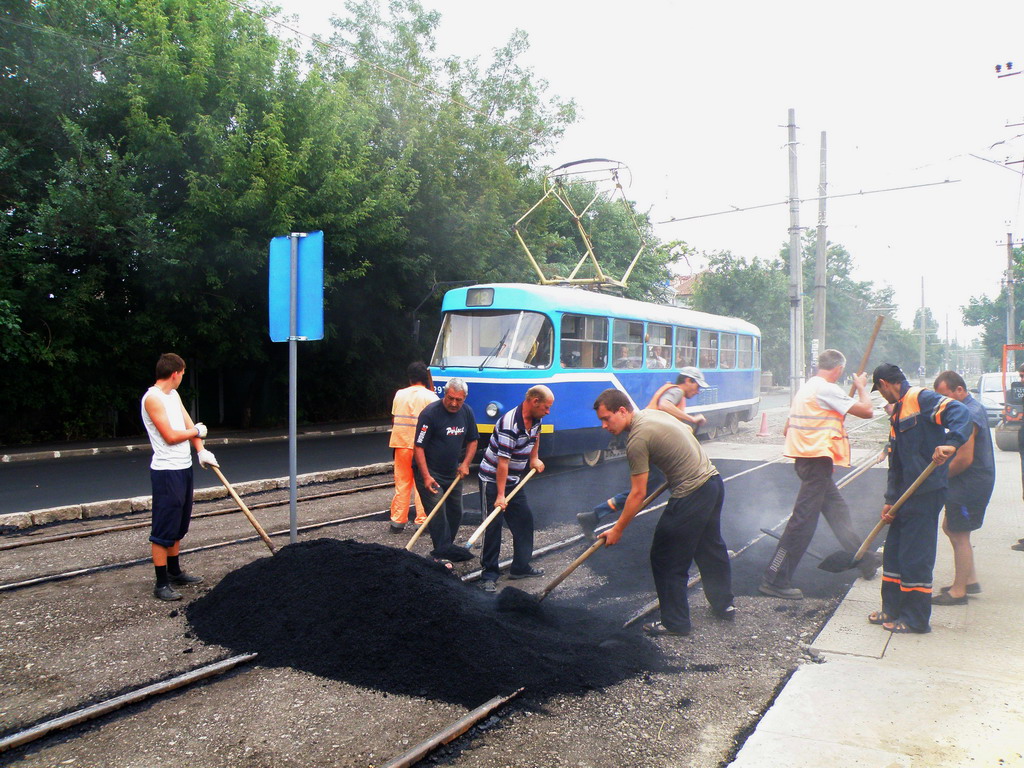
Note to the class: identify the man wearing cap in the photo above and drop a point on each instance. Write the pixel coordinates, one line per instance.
(816, 440)
(924, 427)
(669, 398)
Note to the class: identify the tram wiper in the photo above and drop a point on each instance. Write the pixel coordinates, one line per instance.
(494, 351)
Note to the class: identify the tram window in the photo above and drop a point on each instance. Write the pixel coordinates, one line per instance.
(757, 355)
(584, 341)
(659, 345)
(745, 355)
(727, 358)
(686, 347)
(628, 340)
(494, 339)
(709, 349)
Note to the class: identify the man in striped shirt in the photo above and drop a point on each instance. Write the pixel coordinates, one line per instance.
(513, 448)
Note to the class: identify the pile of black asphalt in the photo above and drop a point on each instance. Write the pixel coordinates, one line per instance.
(385, 619)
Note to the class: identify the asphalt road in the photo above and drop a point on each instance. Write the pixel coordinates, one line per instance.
(31, 485)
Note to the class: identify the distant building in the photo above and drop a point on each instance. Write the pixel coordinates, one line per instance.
(680, 290)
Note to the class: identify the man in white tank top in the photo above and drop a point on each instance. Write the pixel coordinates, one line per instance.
(170, 431)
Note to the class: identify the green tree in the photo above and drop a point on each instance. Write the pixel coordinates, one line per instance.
(990, 314)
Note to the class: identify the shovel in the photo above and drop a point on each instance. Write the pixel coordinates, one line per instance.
(842, 560)
(422, 528)
(497, 511)
(513, 599)
(245, 509)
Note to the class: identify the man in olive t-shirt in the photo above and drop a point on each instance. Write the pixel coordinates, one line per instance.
(690, 527)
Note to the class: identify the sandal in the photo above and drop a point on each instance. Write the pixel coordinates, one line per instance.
(902, 628)
(879, 618)
(656, 628)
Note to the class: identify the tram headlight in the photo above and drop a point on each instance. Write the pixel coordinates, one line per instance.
(493, 409)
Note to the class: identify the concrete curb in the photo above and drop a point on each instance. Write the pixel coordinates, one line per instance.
(145, 447)
(114, 507)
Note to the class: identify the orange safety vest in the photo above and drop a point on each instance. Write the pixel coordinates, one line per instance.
(406, 410)
(815, 431)
(661, 391)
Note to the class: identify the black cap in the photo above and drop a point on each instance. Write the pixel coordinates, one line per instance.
(887, 372)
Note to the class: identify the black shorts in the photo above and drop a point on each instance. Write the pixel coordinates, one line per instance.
(172, 505)
(961, 518)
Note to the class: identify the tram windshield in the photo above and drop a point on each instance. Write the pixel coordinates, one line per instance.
(494, 339)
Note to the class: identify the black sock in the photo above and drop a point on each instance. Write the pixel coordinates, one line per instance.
(173, 567)
(161, 576)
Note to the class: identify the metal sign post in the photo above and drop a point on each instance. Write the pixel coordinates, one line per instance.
(296, 294)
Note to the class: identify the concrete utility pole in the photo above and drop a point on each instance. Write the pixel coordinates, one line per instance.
(923, 368)
(796, 280)
(1011, 319)
(820, 263)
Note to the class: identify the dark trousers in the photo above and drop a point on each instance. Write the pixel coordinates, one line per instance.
(818, 496)
(445, 525)
(172, 505)
(519, 519)
(909, 558)
(690, 531)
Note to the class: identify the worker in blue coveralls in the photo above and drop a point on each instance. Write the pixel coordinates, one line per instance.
(925, 427)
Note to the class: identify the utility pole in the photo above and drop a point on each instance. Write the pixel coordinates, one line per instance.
(796, 280)
(820, 262)
(1011, 320)
(923, 368)
(1011, 305)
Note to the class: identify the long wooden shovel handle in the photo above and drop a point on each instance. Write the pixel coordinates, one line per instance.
(593, 548)
(867, 352)
(862, 469)
(893, 509)
(575, 564)
(245, 509)
(422, 528)
(497, 510)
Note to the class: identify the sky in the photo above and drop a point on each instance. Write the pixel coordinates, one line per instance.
(694, 98)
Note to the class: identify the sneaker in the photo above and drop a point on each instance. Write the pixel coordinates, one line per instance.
(185, 578)
(488, 585)
(588, 522)
(166, 593)
(396, 527)
(527, 575)
(1018, 546)
(786, 593)
(726, 614)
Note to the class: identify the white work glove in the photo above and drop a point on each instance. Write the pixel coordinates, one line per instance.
(202, 429)
(206, 458)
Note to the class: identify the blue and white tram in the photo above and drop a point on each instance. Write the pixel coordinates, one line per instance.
(504, 338)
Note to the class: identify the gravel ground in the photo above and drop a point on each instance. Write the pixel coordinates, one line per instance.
(69, 643)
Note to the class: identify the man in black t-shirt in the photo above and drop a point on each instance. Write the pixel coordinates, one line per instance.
(446, 438)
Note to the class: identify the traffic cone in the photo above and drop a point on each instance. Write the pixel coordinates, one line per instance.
(764, 425)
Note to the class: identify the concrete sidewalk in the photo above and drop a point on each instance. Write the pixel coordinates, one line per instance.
(954, 697)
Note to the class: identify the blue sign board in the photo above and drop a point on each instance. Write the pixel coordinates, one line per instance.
(310, 291)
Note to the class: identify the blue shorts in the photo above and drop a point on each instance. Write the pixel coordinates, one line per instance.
(961, 518)
(172, 505)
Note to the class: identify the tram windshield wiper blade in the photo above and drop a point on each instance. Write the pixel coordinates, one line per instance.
(494, 351)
